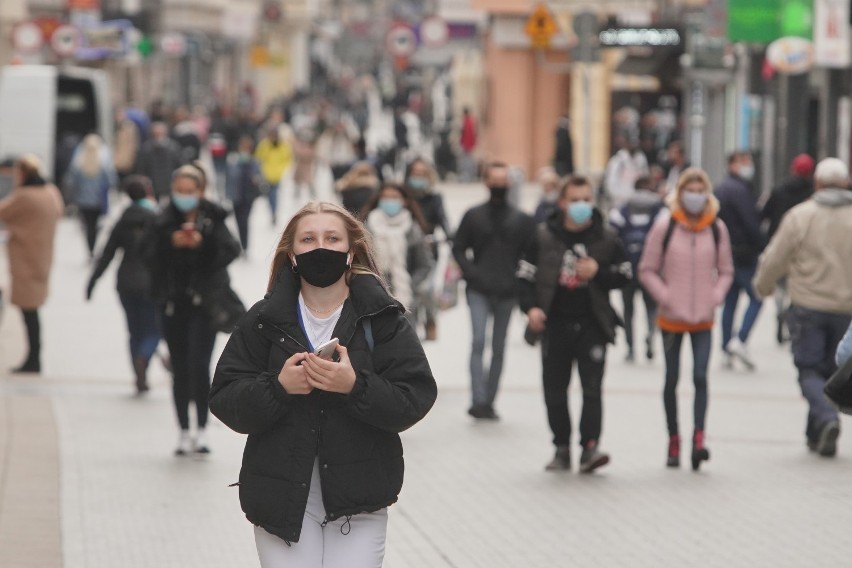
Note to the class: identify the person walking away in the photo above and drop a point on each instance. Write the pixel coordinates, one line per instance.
(244, 179)
(323, 460)
(357, 187)
(336, 147)
(275, 157)
(632, 223)
(89, 180)
(186, 134)
(622, 170)
(30, 212)
(565, 278)
(127, 142)
(158, 158)
(676, 163)
(188, 250)
(686, 266)
(563, 153)
(549, 181)
(798, 188)
(398, 227)
(133, 281)
(421, 180)
(495, 235)
(468, 143)
(812, 249)
(738, 210)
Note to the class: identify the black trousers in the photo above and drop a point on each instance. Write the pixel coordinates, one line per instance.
(90, 217)
(190, 340)
(33, 326)
(242, 212)
(563, 343)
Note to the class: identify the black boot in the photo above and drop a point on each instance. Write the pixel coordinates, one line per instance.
(32, 364)
(700, 453)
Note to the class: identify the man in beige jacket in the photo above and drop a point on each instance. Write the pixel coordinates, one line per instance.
(813, 249)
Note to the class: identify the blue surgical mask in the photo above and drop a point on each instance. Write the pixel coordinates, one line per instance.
(391, 207)
(185, 203)
(694, 203)
(146, 203)
(418, 183)
(580, 212)
(747, 172)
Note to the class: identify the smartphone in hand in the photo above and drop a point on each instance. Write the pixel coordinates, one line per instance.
(327, 350)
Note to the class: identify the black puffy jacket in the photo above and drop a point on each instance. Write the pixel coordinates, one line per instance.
(128, 234)
(354, 436)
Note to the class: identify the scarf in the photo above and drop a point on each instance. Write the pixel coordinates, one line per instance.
(390, 239)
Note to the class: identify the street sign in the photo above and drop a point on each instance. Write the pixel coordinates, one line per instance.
(173, 44)
(27, 37)
(434, 32)
(65, 40)
(541, 27)
(401, 41)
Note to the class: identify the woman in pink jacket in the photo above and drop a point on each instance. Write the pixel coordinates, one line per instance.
(686, 266)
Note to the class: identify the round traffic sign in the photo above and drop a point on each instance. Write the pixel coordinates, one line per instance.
(65, 40)
(434, 32)
(27, 37)
(401, 41)
(173, 44)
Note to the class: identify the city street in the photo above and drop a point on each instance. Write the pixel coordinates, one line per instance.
(88, 478)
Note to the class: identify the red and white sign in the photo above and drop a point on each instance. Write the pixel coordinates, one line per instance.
(27, 37)
(65, 40)
(434, 32)
(831, 33)
(173, 44)
(791, 55)
(401, 41)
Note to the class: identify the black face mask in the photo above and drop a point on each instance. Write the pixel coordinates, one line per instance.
(322, 267)
(498, 193)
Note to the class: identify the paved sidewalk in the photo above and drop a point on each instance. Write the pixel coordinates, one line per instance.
(475, 494)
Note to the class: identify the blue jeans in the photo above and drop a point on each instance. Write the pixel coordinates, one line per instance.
(743, 275)
(272, 196)
(484, 385)
(701, 344)
(814, 337)
(143, 323)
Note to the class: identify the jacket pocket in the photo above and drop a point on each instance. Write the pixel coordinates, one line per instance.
(265, 500)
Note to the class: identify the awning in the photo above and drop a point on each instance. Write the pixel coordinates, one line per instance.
(658, 63)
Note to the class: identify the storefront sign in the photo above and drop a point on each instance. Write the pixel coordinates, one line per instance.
(761, 21)
(831, 33)
(640, 37)
(791, 55)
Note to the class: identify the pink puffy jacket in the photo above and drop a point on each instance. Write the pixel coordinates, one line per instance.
(693, 277)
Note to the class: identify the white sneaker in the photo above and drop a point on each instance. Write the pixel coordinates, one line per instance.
(200, 446)
(739, 350)
(184, 443)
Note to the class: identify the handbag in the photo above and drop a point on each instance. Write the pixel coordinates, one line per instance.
(223, 308)
(838, 388)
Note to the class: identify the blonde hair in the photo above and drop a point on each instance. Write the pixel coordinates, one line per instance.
(90, 156)
(360, 243)
(192, 172)
(30, 165)
(689, 175)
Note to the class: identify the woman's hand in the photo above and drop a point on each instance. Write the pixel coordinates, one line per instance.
(293, 377)
(186, 239)
(537, 319)
(330, 376)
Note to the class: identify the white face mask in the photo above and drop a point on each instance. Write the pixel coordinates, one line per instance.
(694, 203)
(747, 172)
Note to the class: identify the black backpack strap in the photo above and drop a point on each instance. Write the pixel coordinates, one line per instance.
(715, 228)
(668, 236)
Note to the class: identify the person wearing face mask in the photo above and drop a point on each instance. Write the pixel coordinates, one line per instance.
(397, 226)
(323, 460)
(188, 250)
(487, 246)
(548, 179)
(133, 281)
(564, 278)
(738, 209)
(686, 266)
(420, 180)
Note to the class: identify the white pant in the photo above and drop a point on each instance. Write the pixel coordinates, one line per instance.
(327, 547)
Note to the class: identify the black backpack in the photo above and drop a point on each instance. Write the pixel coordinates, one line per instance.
(670, 229)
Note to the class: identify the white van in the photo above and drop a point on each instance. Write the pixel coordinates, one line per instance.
(46, 110)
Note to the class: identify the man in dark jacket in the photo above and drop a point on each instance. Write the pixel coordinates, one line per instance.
(793, 191)
(158, 158)
(496, 234)
(565, 278)
(738, 210)
(563, 153)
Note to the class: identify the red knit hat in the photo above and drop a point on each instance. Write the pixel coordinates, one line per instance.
(802, 166)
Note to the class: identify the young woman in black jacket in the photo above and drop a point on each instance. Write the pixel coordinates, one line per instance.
(134, 277)
(189, 251)
(323, 459)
